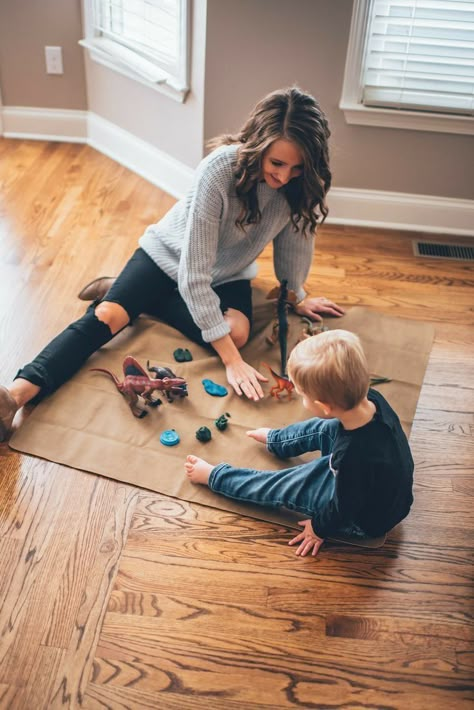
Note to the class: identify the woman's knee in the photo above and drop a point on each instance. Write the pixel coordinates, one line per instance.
(113, 314)
(239, 327)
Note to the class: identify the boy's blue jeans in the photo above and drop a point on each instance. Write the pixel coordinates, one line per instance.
(306, 488)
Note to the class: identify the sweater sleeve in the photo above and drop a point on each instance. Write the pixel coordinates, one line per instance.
(292, 258)
(199, 251)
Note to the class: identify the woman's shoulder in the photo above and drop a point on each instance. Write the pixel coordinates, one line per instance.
(221, 158)
(217, 170)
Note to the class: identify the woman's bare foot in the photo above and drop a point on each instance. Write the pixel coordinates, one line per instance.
(197, 470)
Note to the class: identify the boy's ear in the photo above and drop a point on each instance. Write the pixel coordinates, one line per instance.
(327, 408)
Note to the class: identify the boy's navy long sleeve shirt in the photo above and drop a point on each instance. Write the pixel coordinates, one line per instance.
(373, 469)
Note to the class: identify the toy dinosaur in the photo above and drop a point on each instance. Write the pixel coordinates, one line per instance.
(312, 327)
(285, 298)
(378, 380)
(175, 391)
(134, 385)
(283, 384)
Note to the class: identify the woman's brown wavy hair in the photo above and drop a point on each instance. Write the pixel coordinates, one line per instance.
(296, 116)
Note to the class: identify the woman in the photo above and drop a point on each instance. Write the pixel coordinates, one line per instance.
(193, 268)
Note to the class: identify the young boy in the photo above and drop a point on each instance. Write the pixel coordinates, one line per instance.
(362, 483)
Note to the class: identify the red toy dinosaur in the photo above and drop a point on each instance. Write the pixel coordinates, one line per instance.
(134, 385)
(283, 384)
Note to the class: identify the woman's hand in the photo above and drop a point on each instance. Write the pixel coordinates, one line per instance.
(245, 379)
(314, 308)
(308, 540)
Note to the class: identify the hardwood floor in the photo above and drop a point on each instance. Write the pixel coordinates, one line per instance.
(116, 597)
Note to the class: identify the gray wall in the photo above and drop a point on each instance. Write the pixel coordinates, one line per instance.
(26, 27)
(266, 44)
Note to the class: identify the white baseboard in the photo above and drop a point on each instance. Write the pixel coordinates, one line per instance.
(368, 208)
(154, 165)
(400, 210)
(45, 124)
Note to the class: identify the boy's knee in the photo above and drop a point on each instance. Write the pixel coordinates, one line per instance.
(113, 314)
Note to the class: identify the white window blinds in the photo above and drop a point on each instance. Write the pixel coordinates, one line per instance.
(420, 55)
(148, 35)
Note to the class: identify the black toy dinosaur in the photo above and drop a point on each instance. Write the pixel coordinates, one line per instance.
(284, 299)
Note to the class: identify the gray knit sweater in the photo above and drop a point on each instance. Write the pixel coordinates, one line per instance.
(198, 244)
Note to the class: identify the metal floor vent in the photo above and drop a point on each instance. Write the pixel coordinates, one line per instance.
(437, 250)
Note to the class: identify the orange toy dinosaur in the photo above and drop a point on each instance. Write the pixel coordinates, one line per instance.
(283, 384)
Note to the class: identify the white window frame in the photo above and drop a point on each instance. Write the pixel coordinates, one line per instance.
(112, 55)
(351, 100)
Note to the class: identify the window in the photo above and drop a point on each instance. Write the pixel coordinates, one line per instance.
(410, 63)
(145, 39)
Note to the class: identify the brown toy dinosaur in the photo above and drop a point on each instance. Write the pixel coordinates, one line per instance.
(312, 327)
(283, 384)
(134, 385)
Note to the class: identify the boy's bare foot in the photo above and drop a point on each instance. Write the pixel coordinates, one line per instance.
(197, 470)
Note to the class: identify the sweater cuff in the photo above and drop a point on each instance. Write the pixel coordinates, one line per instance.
(218, 331)
(300, 294)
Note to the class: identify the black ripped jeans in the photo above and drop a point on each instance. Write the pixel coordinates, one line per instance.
(142, 287)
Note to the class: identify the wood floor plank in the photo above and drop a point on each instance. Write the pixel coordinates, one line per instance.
(253, 548)
(10, 695)
(231, 627)
(37, 690)
(172, 698)
(251, 667)
(68, 569)
(73, 674)
(346, 587)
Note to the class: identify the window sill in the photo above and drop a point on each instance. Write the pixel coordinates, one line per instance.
(418, 121)
(162, 82)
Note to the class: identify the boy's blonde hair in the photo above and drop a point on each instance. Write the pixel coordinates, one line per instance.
(331, 367)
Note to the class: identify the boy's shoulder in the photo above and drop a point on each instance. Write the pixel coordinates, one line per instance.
(382, 439)
(385, 430)
(385, 413)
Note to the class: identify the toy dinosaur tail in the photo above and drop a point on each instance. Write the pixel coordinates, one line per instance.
(110, 374)
(275, 375)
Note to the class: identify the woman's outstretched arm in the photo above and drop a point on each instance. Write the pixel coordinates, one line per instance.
(244, 378)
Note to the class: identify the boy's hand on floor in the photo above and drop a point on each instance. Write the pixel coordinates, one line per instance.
(308, 540)
(260, 435)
